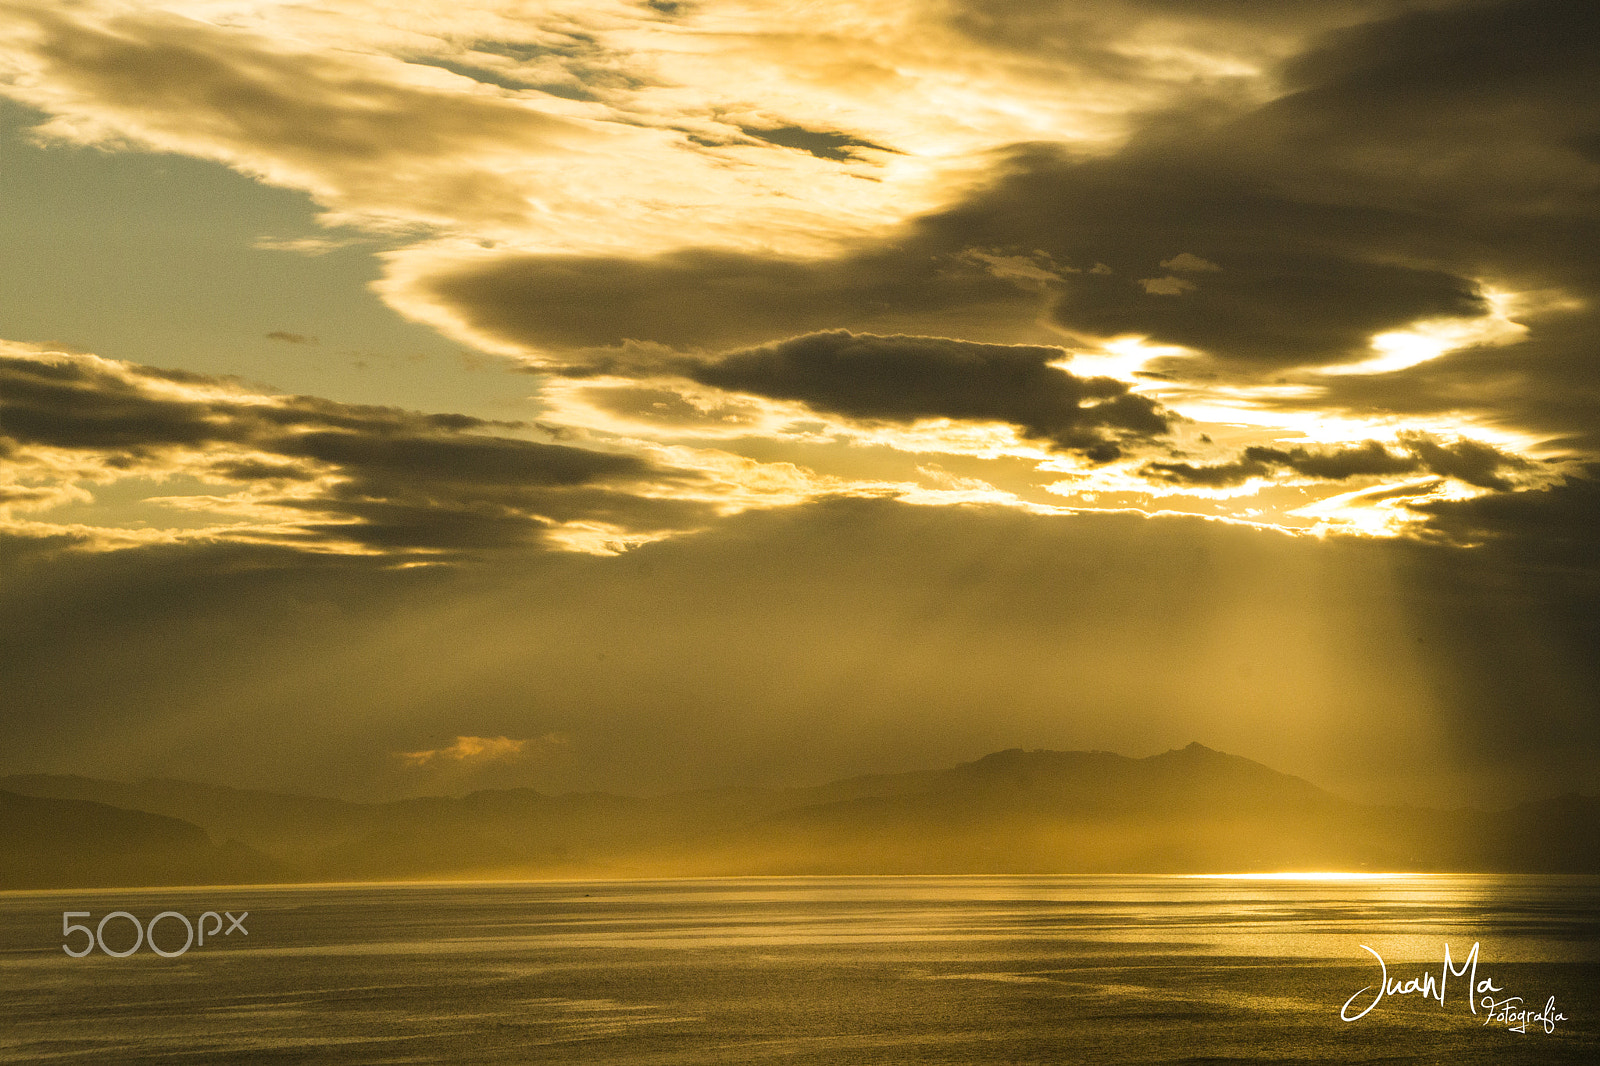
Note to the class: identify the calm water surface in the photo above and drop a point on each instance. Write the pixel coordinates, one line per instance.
(808, 970)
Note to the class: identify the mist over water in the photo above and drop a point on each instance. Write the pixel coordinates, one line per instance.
(975, 969)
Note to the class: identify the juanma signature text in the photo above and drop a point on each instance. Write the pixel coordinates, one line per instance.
(1508, 1011)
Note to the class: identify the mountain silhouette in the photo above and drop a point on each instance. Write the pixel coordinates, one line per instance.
(1188, 810)
(72, 843)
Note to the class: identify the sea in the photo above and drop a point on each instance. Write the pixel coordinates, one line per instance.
(804, 970)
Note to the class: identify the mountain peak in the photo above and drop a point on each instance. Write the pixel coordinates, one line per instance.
(1195, 750)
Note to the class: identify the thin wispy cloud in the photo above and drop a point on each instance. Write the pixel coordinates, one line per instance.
(480, 750)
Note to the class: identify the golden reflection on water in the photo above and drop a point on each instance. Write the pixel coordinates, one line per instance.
(910, 970)
(1307, 875)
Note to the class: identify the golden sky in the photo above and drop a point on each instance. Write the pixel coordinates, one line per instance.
(1278, 318)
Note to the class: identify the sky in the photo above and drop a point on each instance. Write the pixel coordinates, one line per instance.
(416, 397)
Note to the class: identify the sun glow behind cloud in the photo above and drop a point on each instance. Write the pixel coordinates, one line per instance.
(1424, 341)
(796, 136)
(1122, 358)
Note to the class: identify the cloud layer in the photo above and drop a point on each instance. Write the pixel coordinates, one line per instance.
(301, 470)
(904, 379)
(1362, 230)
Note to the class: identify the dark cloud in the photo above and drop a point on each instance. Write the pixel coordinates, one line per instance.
(384, 477)
(1555, 527)
(1469, 122)
(1049, 27)
(824, 144)
(1465, 460)
(1208, 475)
(1286, 293)
(1411, 162)
(902, 379)
(70, 403)
(254, 470)
(1303, 276)
(668, 406)
(1469, 461)
(1300, 281)
(291, 338)
(1369, 458)
(1441, 59)
(711, 299)
(1277, 301)
(458, 460)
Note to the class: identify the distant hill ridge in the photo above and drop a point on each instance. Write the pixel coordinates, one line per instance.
(48, 843)
(1191, 809)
